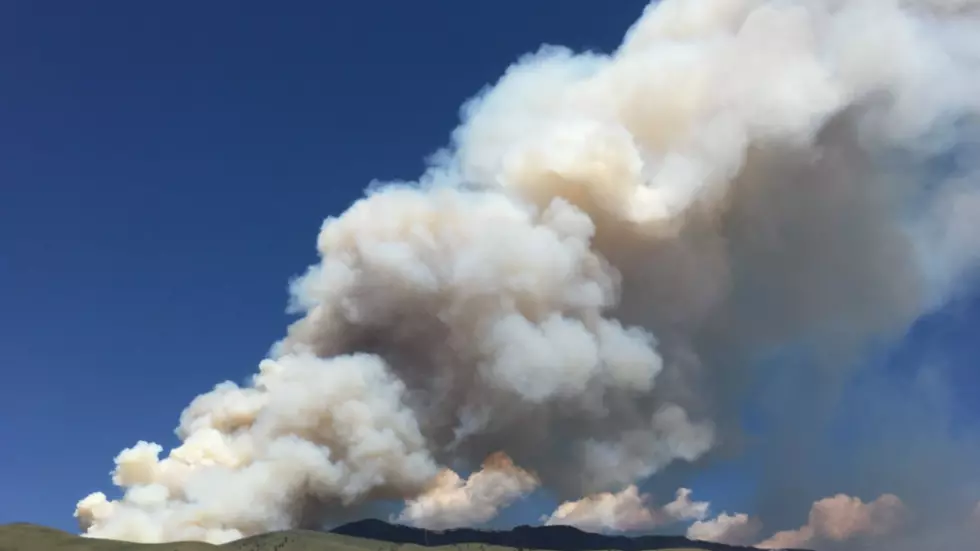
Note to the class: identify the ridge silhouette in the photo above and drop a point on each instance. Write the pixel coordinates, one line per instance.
(547, 538)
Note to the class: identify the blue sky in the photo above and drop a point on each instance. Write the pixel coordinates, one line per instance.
(165, 168)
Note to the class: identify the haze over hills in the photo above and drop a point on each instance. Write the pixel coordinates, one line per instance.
(372, 535)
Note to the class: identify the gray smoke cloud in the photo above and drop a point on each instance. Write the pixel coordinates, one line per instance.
(588, 278)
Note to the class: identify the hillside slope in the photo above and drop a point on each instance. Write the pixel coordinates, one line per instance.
(370, 535)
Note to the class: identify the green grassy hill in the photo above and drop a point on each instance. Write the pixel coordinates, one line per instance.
(29, 537)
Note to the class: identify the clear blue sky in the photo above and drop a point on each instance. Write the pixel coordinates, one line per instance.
(164, 169)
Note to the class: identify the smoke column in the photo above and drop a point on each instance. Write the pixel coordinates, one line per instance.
(587, 277)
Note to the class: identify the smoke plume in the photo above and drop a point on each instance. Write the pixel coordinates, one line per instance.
(626, 511)
(591, 277)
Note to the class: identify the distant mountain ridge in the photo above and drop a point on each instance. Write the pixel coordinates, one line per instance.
(545, 538)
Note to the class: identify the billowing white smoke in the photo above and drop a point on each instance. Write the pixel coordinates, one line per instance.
(835, 520)
(737, 529)
(250, 455)
(842, 518)
(626, 511)
(582, 279)
(840, 521)
(452, 502)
